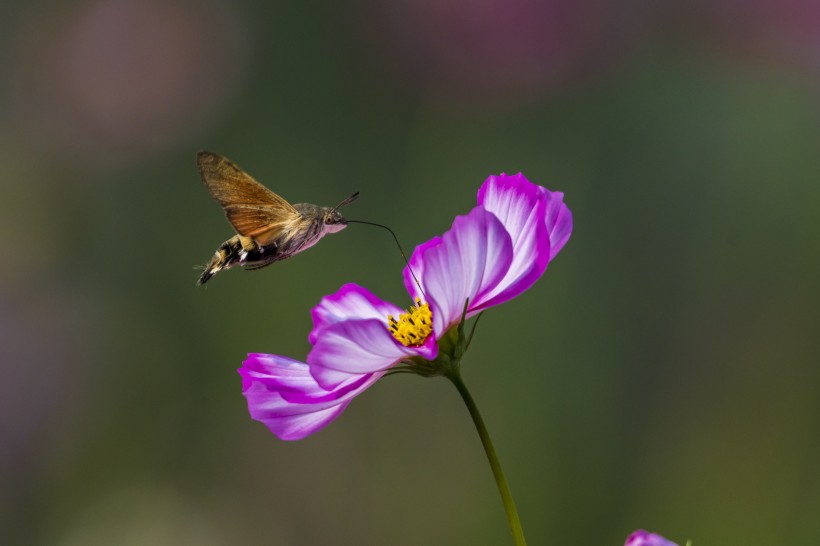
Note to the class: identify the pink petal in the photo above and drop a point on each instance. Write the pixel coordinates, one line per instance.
(416, 263)
(296, 427)
(521, 206)
(645, 538)
(350, 302)
(468, 262)
(558, 221)
(283, 395)
(350, 348)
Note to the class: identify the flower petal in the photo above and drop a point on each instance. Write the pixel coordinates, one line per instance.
(350, 302)
(558, 220)
(350, 348)
(283, 395)
(416, 266)
(521, 207)
(645, 538)
(468, 262)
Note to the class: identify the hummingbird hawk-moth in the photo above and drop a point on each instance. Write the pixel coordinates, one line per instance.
(269, 229)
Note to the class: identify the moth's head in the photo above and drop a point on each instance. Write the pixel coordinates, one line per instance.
(334, 221)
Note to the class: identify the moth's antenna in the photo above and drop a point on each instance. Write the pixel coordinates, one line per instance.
(394, 238)
(347, 201)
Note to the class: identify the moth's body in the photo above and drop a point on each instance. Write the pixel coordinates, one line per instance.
(269, 229)
(255, 254)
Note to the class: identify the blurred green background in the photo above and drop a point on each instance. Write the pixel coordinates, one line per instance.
(664, 373)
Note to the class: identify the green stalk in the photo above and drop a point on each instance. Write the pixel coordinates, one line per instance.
(495, 464)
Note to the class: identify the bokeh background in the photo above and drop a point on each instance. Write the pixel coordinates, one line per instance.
(664, 373)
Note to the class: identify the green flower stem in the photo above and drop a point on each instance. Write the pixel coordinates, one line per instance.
(495, 464)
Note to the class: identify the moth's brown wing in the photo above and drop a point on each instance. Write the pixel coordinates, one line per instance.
(251, 208)
(263, 224)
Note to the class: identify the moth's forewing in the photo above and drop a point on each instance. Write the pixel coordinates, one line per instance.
(230, 185)
(252, 209)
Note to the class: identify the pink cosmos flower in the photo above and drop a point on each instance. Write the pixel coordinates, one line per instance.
(645, 538)
(487, 257)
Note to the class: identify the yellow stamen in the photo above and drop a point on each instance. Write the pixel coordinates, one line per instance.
(412, 327)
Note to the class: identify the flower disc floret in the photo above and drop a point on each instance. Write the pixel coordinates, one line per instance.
(412, 327)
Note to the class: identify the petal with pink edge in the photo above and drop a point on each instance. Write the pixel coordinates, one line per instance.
(645, 538)
(472, 257)
(416, 266)
(350, 302)
(520, 205)
(283, 395)
(558, 221)
(355, 347)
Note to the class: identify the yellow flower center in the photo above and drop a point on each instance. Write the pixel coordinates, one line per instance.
(412, 327)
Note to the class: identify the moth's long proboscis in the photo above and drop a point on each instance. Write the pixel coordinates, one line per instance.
(398, 244)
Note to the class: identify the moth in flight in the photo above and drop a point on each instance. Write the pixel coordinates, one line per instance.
(269, 229)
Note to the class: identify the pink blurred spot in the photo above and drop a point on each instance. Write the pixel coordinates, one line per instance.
(120, 78)
(777, 33)
(497, 49)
